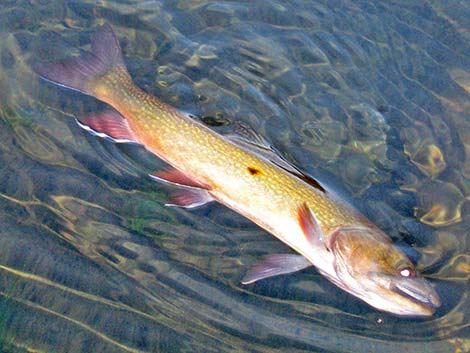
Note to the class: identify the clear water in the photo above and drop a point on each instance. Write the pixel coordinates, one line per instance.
(372, 96)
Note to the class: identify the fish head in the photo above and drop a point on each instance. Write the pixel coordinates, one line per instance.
(369, 266)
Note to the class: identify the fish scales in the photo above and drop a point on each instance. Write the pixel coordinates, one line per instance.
(213, 160)
(328, 233)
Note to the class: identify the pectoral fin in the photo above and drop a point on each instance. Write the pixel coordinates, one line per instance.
(310, 226)
(274, 265)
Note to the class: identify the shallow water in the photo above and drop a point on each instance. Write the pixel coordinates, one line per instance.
(372, 97)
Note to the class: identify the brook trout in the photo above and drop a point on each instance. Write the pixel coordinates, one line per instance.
(245, 173)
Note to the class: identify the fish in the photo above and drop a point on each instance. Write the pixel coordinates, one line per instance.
(244, 172)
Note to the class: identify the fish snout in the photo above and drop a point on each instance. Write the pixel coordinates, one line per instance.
(417, 290)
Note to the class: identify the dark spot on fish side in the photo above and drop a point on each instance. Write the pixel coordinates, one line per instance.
(254, 171)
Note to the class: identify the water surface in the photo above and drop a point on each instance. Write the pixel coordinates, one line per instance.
(370, 97)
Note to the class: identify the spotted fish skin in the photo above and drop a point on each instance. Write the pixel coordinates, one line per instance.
(281, 199)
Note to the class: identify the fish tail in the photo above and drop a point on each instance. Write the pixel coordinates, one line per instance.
(95, 73)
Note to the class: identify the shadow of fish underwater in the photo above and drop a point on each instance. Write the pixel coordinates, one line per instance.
(245, 173)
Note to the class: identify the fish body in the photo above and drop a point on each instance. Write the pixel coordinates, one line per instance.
(250, 178)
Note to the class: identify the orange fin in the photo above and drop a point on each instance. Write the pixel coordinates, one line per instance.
(109, 124)
(192, 194)
(189, 198)
(175, 177)
(274, 265)
(78, 72)
(310, 226)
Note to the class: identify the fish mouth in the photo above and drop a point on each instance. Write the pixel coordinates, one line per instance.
(418, 291)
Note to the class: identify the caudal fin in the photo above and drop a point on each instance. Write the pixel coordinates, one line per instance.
(82, 73)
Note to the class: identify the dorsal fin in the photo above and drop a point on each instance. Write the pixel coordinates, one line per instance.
(249, 134)
(247, 138)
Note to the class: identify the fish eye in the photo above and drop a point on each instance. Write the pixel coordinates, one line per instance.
(407, 272)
